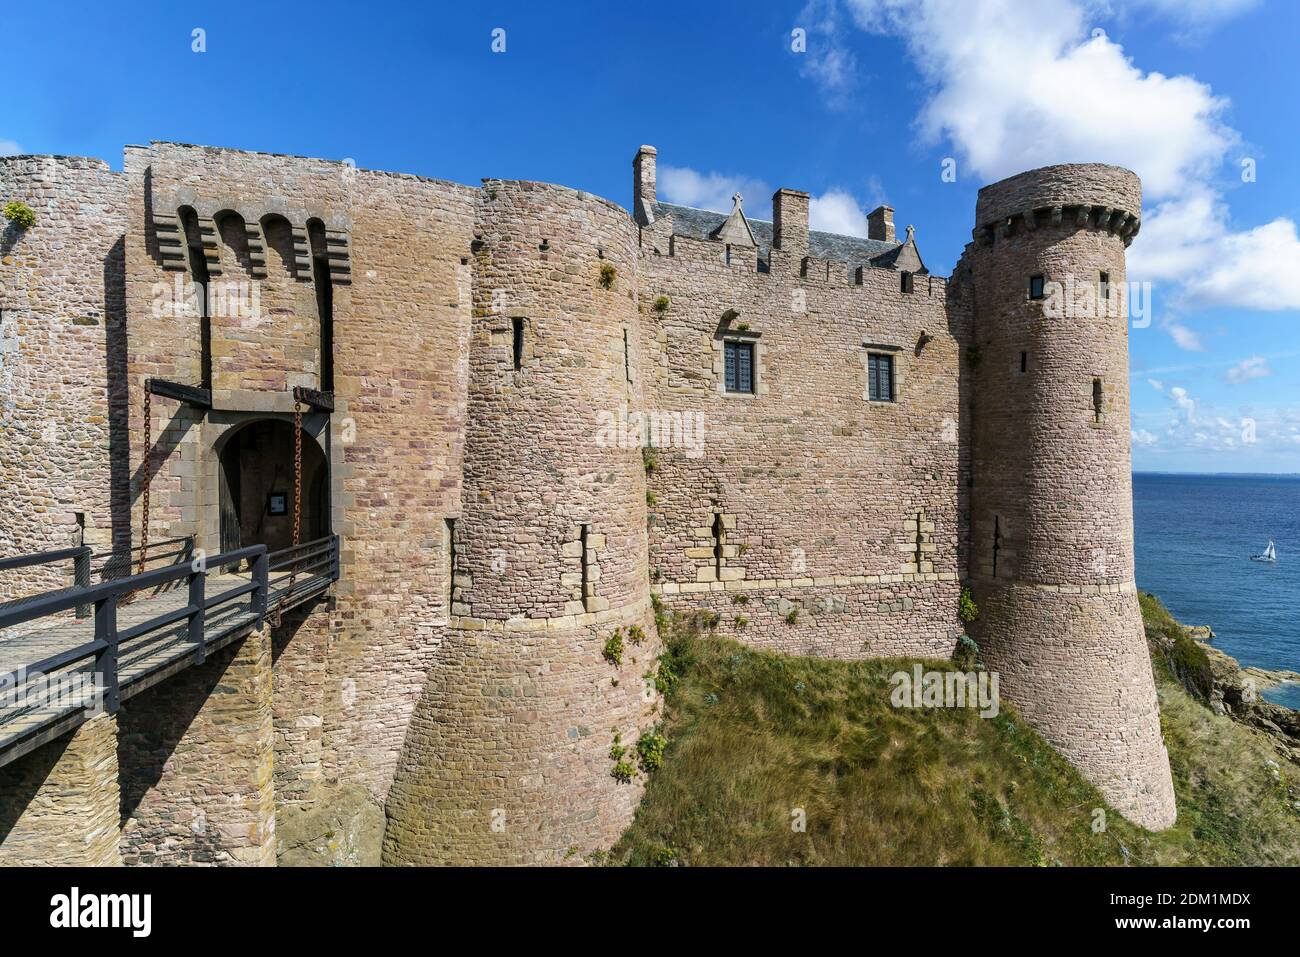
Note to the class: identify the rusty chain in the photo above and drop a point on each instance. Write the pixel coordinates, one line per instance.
(297, 502)
(144, 495)
(144, 492)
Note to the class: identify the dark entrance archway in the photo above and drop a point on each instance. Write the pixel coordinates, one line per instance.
(257, 487)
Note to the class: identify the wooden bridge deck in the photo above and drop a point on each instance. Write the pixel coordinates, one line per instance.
(34, 708)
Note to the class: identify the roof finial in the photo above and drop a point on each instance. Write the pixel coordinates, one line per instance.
(736, 200)
(911, 233)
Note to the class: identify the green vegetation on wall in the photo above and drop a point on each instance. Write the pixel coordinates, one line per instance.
(20, 214)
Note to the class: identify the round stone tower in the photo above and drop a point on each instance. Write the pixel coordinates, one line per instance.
(1051, 550)
(508, 757)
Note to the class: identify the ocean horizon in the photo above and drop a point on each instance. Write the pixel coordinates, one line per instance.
(1194, 535)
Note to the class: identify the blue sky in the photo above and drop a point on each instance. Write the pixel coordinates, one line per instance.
(1182, 91)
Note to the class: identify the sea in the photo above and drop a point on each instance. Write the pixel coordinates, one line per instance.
(1193, 539)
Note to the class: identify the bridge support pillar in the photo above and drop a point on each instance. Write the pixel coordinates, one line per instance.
(59, 804)
(197, 754)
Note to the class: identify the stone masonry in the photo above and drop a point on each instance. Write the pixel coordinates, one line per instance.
(548, 415)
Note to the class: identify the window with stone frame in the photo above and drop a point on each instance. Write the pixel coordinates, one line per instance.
(738, 366)
(880, 377)
(1037, 287)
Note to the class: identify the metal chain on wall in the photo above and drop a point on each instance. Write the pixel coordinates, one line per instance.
(297, 503)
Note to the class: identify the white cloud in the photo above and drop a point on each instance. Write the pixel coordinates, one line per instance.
(1255, 269)
(1015, 85)
(687, 187)
(835, 211)
(1184, 402)
(1019, 85)
(1183, 337)
(10, 148)
(1189, 241)
(1156, 384)
(1198, 13)
(1143, 437)
(826, 61)
(1256, 367)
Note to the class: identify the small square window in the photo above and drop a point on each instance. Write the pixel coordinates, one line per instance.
(739, 372)
(880, 377)
(1036, 284)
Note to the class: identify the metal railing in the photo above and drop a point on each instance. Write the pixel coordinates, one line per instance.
(121, 564)
(304, 570)
(80, 555)
(107, 638)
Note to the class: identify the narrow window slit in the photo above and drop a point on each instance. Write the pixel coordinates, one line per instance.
(997, 542)
(451, 560)
(719, 538)
(517, 337)
(586, 573)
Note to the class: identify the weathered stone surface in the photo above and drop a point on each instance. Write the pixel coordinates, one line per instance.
(59, 804)
(196, 753)
(333, 827)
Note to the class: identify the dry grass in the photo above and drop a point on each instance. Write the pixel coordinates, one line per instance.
(754, 737)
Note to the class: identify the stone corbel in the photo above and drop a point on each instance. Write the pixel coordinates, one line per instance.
(338, 255)
(171, 244)
(208, 241)
(301, 252)
(256, 248)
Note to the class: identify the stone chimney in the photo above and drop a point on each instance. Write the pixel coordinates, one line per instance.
(790, 223)
(880, 224)
(643, 186)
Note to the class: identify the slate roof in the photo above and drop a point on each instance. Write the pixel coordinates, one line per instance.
(700, 223)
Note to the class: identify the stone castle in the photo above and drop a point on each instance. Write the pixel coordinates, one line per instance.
(839, 442)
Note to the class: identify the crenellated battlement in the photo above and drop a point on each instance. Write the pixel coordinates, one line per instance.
(1083, 196)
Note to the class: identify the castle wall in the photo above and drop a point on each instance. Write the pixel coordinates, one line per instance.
(508, 755)
(495, 353)
(348, 677)
(59, 804)
(825, 496)
(61, 358)
(196, 763)
(1052, 521)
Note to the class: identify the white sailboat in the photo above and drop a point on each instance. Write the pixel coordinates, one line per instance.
(1269, 554)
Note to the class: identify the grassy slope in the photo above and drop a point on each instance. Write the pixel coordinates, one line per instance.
(753, 736)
